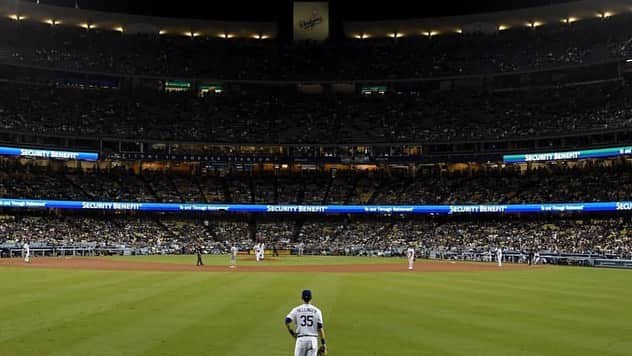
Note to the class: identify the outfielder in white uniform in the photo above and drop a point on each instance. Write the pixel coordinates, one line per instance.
(233, 256)
(308, 327)
(27, 252)
(262, 249)
(256, 249)
(499, 256)
(410, 254)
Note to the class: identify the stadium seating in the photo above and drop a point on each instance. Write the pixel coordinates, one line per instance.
(293, 118)
(74, 48)
(386, 235)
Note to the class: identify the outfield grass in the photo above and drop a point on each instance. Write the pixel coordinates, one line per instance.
(552, 311)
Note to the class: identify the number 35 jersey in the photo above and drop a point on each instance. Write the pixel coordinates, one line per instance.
(307, 318)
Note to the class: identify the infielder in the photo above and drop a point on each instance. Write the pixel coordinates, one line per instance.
(262, 251)
(198, 252)
(27, 252)
(233, 256)
(410, 254)
(499, 256)
(308, 322)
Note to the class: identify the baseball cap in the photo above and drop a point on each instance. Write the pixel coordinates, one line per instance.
(306, 294)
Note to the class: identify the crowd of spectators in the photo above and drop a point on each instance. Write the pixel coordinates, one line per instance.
(584, 181)
(410, 56)
(608, 236)
(249, 117)
(384, 235)
(611, 236)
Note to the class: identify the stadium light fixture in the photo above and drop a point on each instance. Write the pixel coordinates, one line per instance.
(16, 17)
(534, 24)
(395, 35)
(605, 14)
(459, 31)
(361, 36)
(628, 60)
(119, 29)
(52, 22)
(502, 27)
(569, 20)
(226, 35)
(84, 25)
(162, 32)
(260, 36)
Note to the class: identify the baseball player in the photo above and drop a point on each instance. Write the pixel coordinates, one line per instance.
(301, 248)
(410, 254)
(257, 255)
(198, 252)
(27, 252)
(499, 256)
(262, 249)
(233, 256)
(308, 327)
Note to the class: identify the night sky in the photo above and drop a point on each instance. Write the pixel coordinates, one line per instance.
(273, 10)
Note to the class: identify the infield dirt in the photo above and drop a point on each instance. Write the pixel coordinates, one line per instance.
(95, 263)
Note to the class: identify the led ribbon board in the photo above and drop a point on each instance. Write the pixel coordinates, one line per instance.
(568, 155)
(31, 152)
(321, 209)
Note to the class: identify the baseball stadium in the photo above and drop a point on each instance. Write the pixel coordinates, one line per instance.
(315, 178)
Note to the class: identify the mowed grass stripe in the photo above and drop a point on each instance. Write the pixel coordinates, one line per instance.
(454, 308)
(65, 314)
(581, 307)
(492, 317)
(498, 284)
(24, 283)
(164, 315)
(60, 302)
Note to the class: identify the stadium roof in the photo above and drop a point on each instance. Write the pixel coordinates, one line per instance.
(480, 22)
(55, 15)
(491, 21)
